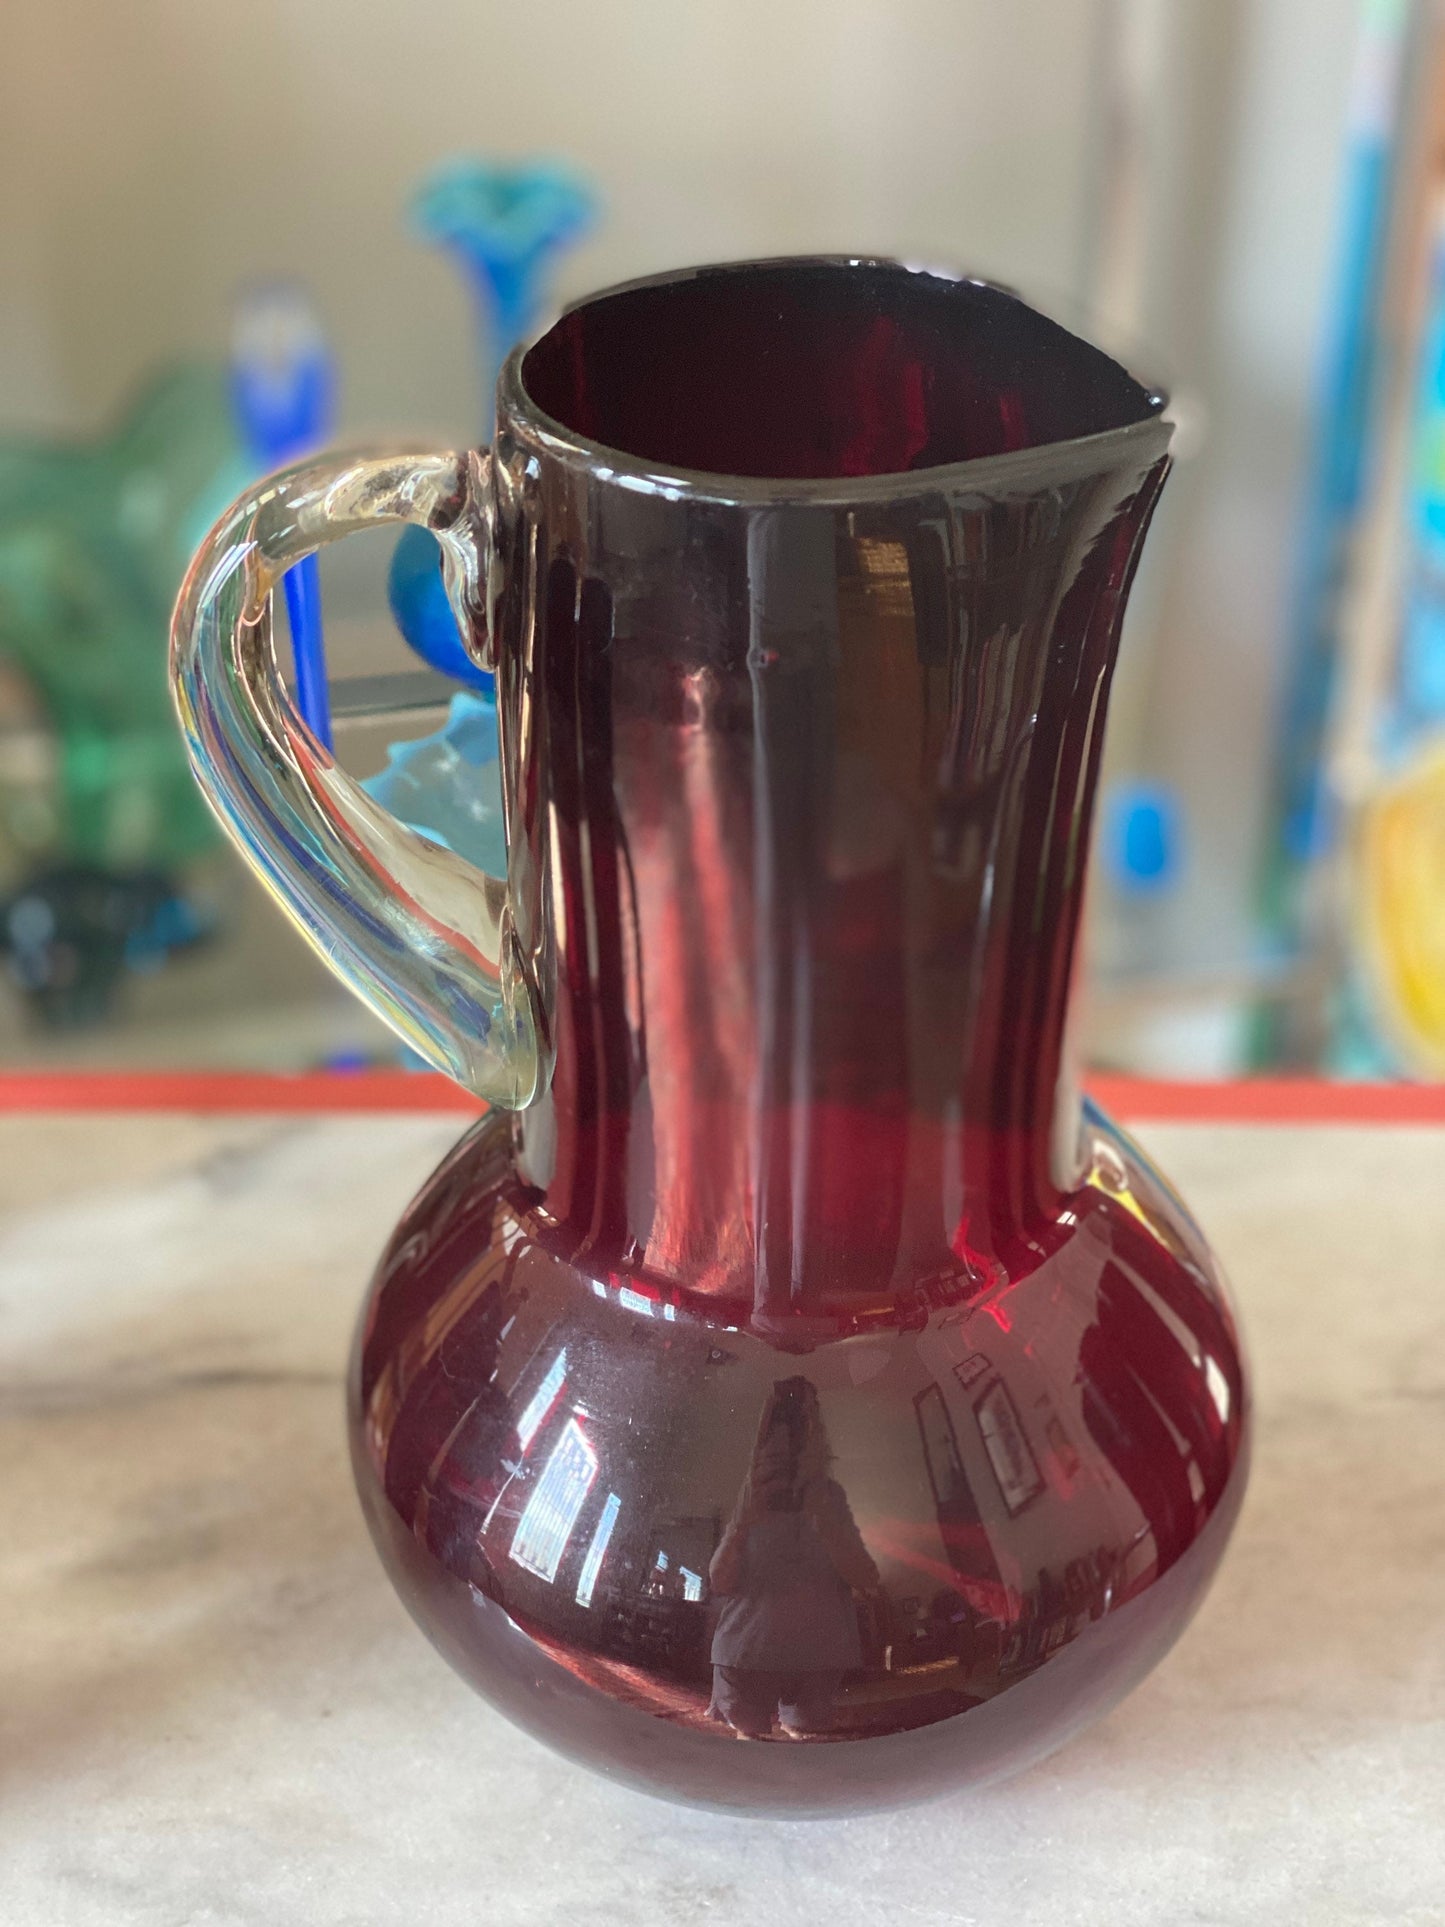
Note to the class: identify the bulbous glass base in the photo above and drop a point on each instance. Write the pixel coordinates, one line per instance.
(771, 1567)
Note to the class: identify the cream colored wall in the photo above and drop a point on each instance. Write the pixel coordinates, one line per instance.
(156, 152)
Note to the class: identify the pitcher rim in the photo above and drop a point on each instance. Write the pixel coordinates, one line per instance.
(1064, 458)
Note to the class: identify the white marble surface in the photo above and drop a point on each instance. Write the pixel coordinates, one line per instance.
(214, 1711)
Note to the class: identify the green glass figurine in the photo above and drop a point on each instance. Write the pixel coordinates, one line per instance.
(94, 540)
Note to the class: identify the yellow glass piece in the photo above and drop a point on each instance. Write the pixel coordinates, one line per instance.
(1400, 908)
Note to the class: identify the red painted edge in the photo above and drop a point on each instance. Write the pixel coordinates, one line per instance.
(1264, 1100)
(1267, 1100)
(212, 1091)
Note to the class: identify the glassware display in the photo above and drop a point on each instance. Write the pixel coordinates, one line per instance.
(447, 784)
(282, 387)
(789, 1398)
(94, 538)
(505, 225)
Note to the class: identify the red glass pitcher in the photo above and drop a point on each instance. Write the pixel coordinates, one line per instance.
(788, 1397)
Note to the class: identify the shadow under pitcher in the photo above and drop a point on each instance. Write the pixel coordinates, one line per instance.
(789, 1397)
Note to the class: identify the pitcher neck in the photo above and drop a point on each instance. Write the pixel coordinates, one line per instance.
(816, 903)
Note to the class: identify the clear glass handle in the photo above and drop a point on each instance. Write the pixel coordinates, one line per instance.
(422, 937)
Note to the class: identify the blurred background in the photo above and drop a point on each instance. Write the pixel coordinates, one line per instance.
(226, 234)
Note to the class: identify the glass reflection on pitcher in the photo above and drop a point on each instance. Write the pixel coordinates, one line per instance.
(787, 1569)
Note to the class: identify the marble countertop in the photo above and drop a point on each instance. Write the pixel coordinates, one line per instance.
(213, 1709)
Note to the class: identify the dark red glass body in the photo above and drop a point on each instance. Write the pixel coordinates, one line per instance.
(804, 1406)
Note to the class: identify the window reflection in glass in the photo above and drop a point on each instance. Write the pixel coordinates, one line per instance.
(542, 1400)
(597, 1551)
(1009, 1452)
(557, 1498)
